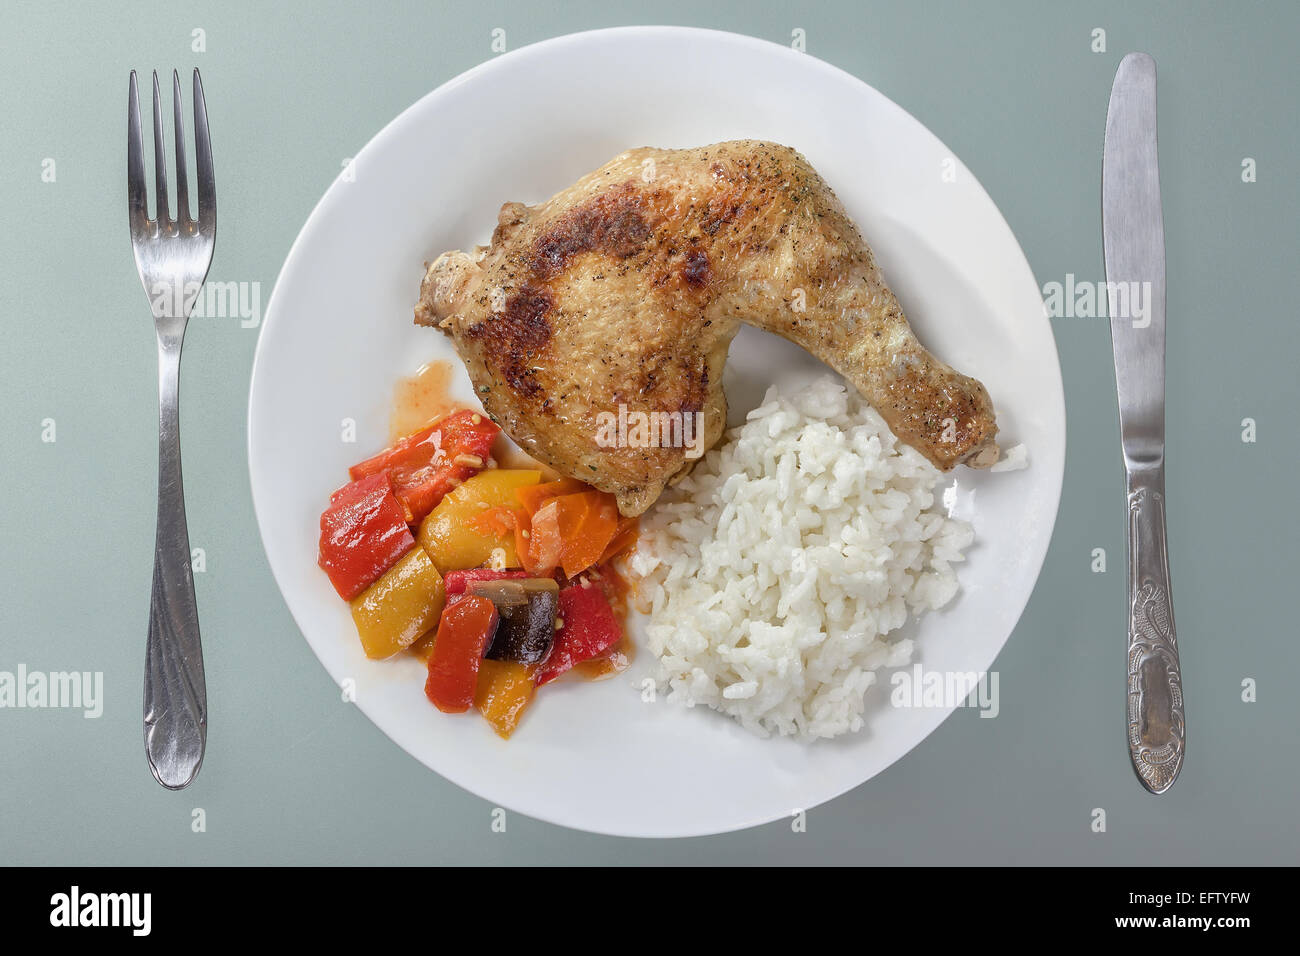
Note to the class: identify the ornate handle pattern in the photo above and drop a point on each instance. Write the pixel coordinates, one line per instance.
(1156, 732)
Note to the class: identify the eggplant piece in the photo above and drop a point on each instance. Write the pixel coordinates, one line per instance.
(527, 609)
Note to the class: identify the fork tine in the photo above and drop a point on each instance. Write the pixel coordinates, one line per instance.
(182, 177)
(203, 160)
(136, 195)
(161, 212)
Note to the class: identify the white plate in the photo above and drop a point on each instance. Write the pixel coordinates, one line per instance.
(338, 335)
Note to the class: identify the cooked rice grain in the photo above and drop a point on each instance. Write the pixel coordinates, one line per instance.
(776, 569)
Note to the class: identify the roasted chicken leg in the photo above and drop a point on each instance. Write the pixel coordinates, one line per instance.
(621, 294)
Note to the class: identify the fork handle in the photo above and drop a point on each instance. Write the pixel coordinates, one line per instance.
(175, 696)
(1156, 733)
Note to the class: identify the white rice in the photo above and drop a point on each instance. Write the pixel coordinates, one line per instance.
(776, 569)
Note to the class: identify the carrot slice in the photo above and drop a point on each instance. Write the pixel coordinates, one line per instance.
(624, 538)
(564, 524)
(523, 543)
(496, 522)
(588, 522)
(533, 497)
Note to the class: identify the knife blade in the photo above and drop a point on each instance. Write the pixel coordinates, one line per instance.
(1134, 248)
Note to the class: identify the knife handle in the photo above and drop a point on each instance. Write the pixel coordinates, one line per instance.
(1156, 734)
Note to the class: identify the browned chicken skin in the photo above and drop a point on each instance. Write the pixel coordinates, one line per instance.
(625, 290)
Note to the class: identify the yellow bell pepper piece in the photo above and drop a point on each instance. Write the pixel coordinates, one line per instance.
(400, 606)
(449, 534)
(504, 690)
(422, 647)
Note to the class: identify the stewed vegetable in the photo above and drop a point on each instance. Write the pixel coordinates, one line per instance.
(504, 690)
(458, 581)
(527, 609)
(464, 632)
(487, 574)
(588, 629)
(362, 534)
(454, 533)
(425, 466)
(400, 606)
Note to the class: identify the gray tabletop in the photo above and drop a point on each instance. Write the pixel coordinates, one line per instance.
(295, 775)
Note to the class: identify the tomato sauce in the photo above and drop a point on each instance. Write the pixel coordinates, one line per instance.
(421, 399)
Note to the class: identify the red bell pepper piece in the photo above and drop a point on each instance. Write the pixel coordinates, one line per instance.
(433, 461)
(457, 582)
(589, 630)
(464, 633)
(363, 533)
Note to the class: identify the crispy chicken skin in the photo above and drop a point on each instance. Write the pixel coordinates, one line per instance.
(626, 289)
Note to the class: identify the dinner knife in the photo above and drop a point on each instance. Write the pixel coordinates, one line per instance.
(1134, 244)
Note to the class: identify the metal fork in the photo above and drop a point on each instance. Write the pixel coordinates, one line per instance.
(172, 256)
